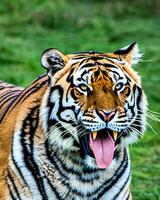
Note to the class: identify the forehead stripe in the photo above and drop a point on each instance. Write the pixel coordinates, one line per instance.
(88, 65)
(78, 57)
(107, 65)
(86, 71)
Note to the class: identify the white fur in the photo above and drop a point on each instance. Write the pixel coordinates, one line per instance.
(18, 157)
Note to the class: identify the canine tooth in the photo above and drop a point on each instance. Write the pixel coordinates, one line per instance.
(94, 135)
(115, 134)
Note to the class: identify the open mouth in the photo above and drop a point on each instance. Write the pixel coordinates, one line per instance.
(101, 145)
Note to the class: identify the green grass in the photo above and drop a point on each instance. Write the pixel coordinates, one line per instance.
(27, 29)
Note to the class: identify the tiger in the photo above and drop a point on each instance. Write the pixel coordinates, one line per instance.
(67, 135)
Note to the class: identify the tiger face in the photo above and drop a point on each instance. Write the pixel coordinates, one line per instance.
(94, 105)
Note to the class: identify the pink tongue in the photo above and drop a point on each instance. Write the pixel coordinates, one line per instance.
(103, 150)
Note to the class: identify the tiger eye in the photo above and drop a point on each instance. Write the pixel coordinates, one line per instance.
(75, 93)
(83, 87)
(119, 86)
(126, 91)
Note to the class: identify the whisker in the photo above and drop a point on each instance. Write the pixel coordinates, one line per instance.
(121, 134)
(139, 132)
(136, 125)
(151, 111)
(154, 118)
(54, 128)
(144, 61)
(59, 135)
(85, 133)
(152, 129)
(82, 133)
(136, 131)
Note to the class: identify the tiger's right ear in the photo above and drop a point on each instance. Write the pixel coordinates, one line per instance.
(53, 60)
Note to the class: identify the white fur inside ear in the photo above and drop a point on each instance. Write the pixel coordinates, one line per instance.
(136, 55)
(44, 61)
(52, 58)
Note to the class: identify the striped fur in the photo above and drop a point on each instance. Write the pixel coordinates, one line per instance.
(42, 126)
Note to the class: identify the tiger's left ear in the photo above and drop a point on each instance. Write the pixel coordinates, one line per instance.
(130, 53)
(53, 60)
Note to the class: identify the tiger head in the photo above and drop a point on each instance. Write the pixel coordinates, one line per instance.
(94, 105)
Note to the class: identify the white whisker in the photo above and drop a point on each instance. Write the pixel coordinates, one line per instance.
(136, 131)
(152, 129)
(151, 111)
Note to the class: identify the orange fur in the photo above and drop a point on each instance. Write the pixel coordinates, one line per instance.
(12, 120)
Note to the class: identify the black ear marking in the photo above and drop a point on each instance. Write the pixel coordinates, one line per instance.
(52, 59)
(126, 49)
(130, 53)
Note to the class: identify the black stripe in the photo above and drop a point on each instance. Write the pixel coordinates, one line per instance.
(39, 78)
(88, 65)
(128, 196)
(79, 57)
(13, 184)
(61, 166)
(117, 175)
(122, 116)
(81, 62)
(88, 52)
(28, 156)
(6, 95)
(13, 86)
(57, 167)
(53, 157)
(16, 166)
(102, 189)
(4, 111)
(139, 96)
(107, 65)
(2, 88)
(131, 107)
(115, 72)
(54, 189)
(69, 78)
(86, 71)
(120, 190)
(110, 59)
(11, 193)
(4, 102)
(61, 108)
(28, 91)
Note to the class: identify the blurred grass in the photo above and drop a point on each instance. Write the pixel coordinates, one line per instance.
(28, 28)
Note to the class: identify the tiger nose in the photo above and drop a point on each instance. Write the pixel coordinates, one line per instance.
(107, 116)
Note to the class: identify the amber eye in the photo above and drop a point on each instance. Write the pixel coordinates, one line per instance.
(119, 86)
(126, 91)
(83, 87)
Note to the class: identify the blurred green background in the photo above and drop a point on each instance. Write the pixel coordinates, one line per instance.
(27, 28)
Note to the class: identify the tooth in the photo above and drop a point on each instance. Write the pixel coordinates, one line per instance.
(94, 135)
(115, 134)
